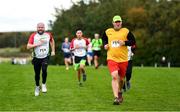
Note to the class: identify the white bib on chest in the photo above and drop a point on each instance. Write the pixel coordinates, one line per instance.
(43, 50)
(81, 51)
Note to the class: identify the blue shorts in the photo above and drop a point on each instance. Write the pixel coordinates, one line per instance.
(67, 55)
(90, 54)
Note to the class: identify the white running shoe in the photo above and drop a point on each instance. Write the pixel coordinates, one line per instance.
(44, 89)
(37, 90)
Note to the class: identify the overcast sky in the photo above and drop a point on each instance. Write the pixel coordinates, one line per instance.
(23, 15)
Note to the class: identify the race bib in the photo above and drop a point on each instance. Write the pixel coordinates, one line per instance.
(115, 43)
(79, 51)
(42, 51)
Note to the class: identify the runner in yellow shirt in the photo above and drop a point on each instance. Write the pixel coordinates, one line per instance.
(115, 41)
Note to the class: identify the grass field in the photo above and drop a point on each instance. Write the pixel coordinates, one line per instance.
(153, 89)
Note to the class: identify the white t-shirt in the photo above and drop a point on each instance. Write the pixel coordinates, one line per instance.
(43, 50)
(130, 53)
(82, 43)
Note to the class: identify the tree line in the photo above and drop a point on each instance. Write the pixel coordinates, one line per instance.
(155, 24)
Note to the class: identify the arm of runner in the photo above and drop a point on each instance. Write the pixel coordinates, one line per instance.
(62, 47)
(52, 44)
(30, 46)
(105, 41)
(131, 40)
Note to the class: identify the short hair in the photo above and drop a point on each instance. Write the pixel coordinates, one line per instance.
(40, 24)
(79, 31)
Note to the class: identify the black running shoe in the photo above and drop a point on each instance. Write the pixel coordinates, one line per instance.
(128, 85)
(116, 101)
(80, 84)
(84, 77)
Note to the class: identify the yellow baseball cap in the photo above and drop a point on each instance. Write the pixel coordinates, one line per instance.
(117, 18)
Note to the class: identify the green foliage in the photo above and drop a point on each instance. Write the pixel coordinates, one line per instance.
(23, 48)
(151, 90)
(13, 39)
(137, 17)
(155, 25)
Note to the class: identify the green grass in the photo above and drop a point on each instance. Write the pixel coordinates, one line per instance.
(153, 89)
